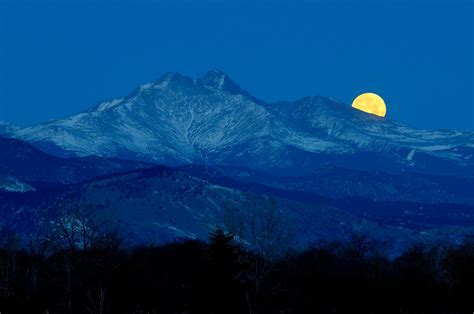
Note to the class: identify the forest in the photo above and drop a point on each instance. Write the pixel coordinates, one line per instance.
(98, 274)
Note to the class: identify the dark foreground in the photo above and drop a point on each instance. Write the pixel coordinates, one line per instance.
(220, 277)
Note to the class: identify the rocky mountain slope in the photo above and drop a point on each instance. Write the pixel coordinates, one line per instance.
(211, 120)
(335, 182)
(24, 162)
(6, 129)
(12, 184)
(162, 204)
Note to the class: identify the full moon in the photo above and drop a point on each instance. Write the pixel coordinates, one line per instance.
(370, 103)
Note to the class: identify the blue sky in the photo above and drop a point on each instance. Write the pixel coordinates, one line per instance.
(60, 57)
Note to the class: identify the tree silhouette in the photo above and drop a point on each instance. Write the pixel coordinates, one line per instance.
(224, 260)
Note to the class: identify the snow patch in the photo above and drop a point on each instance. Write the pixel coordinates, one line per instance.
(411, 154)
(12, 184)
(109, 104)
(178, 232)
(434, 148)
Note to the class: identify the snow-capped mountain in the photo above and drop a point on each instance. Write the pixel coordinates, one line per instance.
(6, 129)
(211, 120)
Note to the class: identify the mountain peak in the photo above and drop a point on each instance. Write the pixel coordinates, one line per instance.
(216, 79)
(174, 78)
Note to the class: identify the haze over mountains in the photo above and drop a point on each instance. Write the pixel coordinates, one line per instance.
(178, 156)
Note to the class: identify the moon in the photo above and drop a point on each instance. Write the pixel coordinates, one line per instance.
(370, 103)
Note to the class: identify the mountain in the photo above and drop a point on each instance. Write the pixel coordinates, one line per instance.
(27, 164)
(6, 129)
(338, 183)
(162, 204)
(178, 120)
(12, 184)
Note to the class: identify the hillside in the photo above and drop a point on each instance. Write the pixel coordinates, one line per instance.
(210, 120)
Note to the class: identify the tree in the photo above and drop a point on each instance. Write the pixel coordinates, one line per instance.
(223, 253)
(259, 226)
(224, 260)
(83, 239)
(9, 247)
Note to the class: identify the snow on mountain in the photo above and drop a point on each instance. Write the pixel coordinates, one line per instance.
(162, 204)
(331, 119)
(211, 120)
(6, 129)
(12, 184)
(32, 166)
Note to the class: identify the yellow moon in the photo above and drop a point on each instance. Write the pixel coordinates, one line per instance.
(370, 103)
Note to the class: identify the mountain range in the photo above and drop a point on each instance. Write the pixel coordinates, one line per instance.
(20, 160)
(179, 156)
(178, 120)
(165, 204)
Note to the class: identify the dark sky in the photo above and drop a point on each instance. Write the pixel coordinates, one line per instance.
(60, 57)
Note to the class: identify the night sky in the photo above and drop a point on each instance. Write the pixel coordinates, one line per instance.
(60, 57)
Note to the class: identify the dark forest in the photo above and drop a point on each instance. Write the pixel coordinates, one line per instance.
(223, 277)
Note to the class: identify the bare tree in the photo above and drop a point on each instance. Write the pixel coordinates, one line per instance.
(259, 226)
(79, 229)
(9, 247)
(96, 298)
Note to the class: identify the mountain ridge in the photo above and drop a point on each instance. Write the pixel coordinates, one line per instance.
(178, 120)
(24, 162)
(163, 204)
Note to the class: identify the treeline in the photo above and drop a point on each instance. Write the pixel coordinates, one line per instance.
(222, 277)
